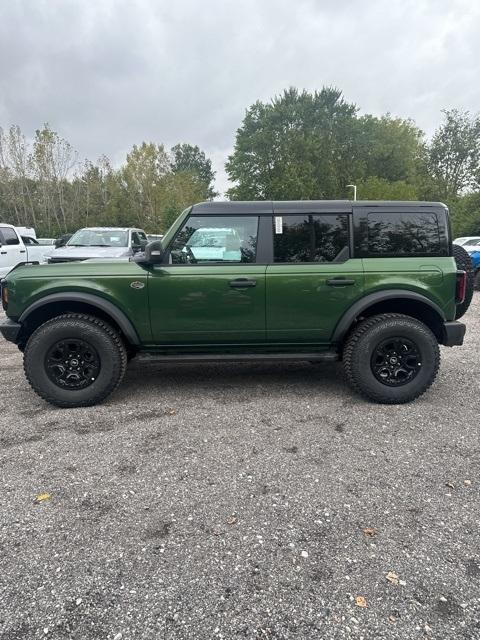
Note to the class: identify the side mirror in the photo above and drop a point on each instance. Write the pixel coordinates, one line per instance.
(154, 253)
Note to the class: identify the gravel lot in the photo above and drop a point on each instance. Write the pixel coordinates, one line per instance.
(242, 501)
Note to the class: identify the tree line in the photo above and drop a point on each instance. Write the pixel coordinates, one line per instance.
(300, 145)
(44, 185)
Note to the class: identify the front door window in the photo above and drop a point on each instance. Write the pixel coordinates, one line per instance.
(216, 239)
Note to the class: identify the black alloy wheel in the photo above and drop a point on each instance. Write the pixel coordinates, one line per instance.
(391, 358)
(72, 364)
(75, 360)
(396, 361)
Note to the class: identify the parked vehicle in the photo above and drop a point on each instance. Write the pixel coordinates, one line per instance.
(151, 237)
(46, 241)
(15, 248)
(475, 258)
(467, 240)
(373, 284)
(29, 232)
(62, 240)
(473, 244)
(100, 242)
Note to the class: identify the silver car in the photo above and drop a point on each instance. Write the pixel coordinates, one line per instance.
(101, 242)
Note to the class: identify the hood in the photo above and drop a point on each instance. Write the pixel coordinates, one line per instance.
(81, 270)
(84, 253)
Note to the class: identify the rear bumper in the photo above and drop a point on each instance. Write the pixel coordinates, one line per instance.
(10, 329)
(453, 333)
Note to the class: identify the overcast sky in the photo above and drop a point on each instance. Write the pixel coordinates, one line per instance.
(107, 74)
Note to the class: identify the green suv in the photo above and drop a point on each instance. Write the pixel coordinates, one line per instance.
(373, 284)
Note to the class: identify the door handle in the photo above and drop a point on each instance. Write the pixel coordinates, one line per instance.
(22, 250)
(3, 253)
(340, 282)
(242, 283)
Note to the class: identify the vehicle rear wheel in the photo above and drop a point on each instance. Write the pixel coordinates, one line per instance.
(391, 358)
(464, 263)
(74, 360)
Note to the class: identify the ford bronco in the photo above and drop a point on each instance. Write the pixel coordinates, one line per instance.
(373, 284)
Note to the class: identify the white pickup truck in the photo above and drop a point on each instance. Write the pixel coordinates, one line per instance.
(15, 248)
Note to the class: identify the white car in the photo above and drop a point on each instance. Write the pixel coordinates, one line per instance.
(15, 249)
(100, 242)
(468, 242)
(46, 241)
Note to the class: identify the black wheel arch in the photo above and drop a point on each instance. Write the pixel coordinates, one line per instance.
(76, 302)
(392, 301)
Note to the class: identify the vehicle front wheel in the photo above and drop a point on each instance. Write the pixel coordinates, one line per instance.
(74, 360)
(391, 358)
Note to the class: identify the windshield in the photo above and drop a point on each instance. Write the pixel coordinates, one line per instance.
(99, 238)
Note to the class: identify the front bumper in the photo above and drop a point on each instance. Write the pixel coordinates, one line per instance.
(10, 329)
(453, 333)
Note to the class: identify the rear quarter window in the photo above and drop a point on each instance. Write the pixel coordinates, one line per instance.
(404, 234)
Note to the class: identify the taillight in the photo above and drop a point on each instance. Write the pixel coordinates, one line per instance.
(461, 287)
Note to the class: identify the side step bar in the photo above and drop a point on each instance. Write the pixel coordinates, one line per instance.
(322, 356)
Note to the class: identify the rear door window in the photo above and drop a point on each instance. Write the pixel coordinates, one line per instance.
(301, 238)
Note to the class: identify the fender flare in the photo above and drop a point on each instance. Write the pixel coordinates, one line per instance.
(374, 298)
(107, 307)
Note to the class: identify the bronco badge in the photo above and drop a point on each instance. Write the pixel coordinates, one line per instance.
(137, 285)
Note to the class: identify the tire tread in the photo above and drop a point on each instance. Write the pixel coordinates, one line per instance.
(351, 344)
(101, 395)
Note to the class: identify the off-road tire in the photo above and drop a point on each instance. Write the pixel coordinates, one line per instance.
(464, 263)
(364, 339)
(100, 335)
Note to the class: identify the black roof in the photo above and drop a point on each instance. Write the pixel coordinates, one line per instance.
(299, 206)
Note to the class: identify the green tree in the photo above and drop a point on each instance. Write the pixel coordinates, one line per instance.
(374, 188)
(454, 154)
(304, 145)
(190, 158)
(465, 214)
(297, 146)
(389, 148)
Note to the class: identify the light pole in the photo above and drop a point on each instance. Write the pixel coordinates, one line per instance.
(354, 187)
